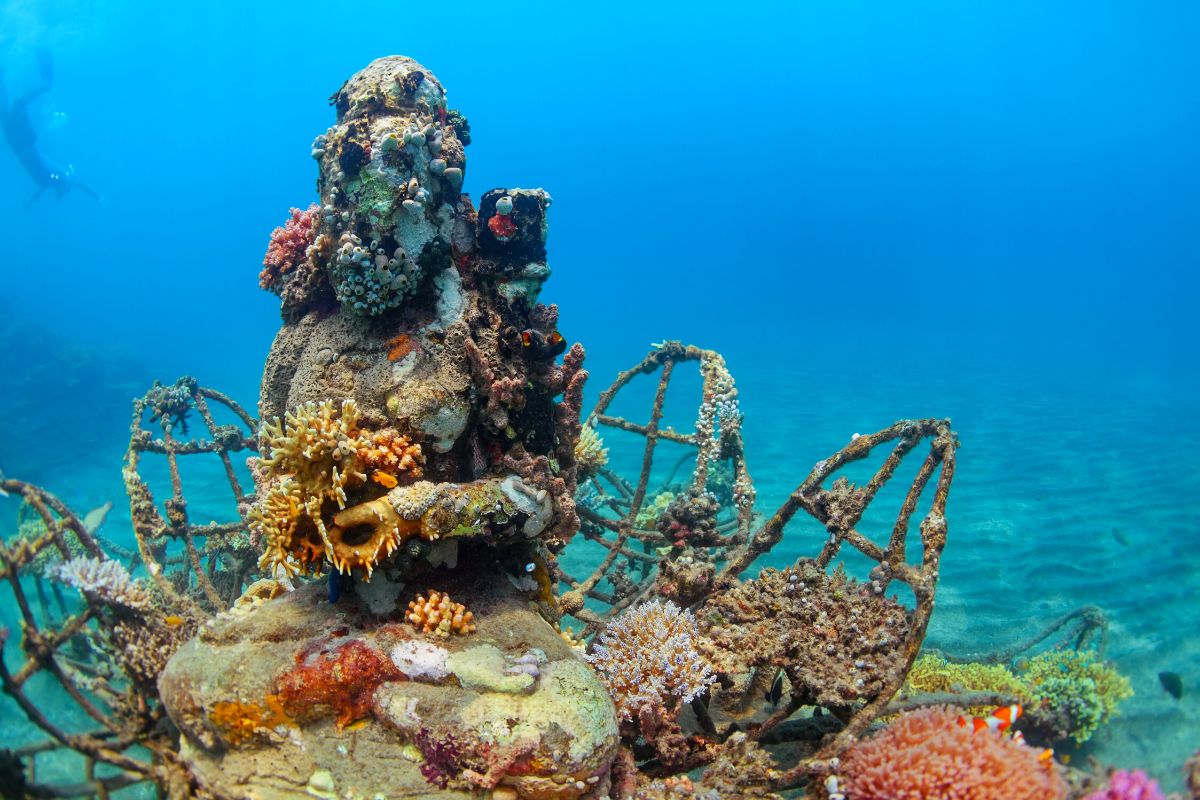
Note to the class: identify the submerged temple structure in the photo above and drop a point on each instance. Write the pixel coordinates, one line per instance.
(387, 612)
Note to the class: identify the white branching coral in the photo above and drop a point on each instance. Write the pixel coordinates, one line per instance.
(647, 658)
(103, 580)
(590, 453)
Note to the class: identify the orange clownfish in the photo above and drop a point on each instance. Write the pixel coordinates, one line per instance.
(999, 720)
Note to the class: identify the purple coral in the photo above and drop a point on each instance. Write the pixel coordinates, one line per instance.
(1126, 785)
(443, 757)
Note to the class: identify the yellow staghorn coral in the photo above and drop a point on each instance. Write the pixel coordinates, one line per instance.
(319, 446)
(310, 458)
(590, 453)
(440, 615)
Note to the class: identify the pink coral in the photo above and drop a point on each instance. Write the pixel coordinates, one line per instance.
(1125, 785)
(288, 247)
(926, 754)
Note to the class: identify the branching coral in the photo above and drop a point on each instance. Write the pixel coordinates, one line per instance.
(310, 458)
(590, 453)
(836, 638)
(647, 657)
(105, 581)
(926, 754)
(288, 248)
(440, 615)
(134, 630)
(1078, 690)
(316, 444)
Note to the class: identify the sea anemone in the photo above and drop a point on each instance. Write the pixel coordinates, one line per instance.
(927, 754)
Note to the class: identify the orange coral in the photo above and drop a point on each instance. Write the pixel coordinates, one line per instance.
(400, 346)
(240, 722)
(342, 680)
(441, 615)
(926, 753)
(392, 453)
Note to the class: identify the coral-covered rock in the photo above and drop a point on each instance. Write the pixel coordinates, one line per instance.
(275, 692)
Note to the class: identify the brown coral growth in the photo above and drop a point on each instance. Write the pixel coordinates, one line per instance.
(838, 641)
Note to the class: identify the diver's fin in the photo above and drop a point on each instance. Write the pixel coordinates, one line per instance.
(37, 193)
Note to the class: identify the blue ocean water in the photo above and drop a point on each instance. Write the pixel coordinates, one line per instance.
(984, 211)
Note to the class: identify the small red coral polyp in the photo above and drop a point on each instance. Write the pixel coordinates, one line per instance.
(343, 680)
(502, 227)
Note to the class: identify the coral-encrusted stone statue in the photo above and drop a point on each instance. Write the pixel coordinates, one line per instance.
(413, 448)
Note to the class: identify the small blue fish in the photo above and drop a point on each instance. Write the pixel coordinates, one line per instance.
(337, 582)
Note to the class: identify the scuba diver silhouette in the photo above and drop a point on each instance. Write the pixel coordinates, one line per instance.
(22, 138)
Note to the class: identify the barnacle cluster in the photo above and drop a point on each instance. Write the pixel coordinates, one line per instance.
(370, 279)
(440, 615)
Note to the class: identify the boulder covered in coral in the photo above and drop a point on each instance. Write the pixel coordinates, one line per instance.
(283, 696)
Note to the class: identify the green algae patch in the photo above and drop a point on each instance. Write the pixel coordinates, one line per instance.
(569, 697)
(482, 668)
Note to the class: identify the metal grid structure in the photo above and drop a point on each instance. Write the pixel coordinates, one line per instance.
(201, 567)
